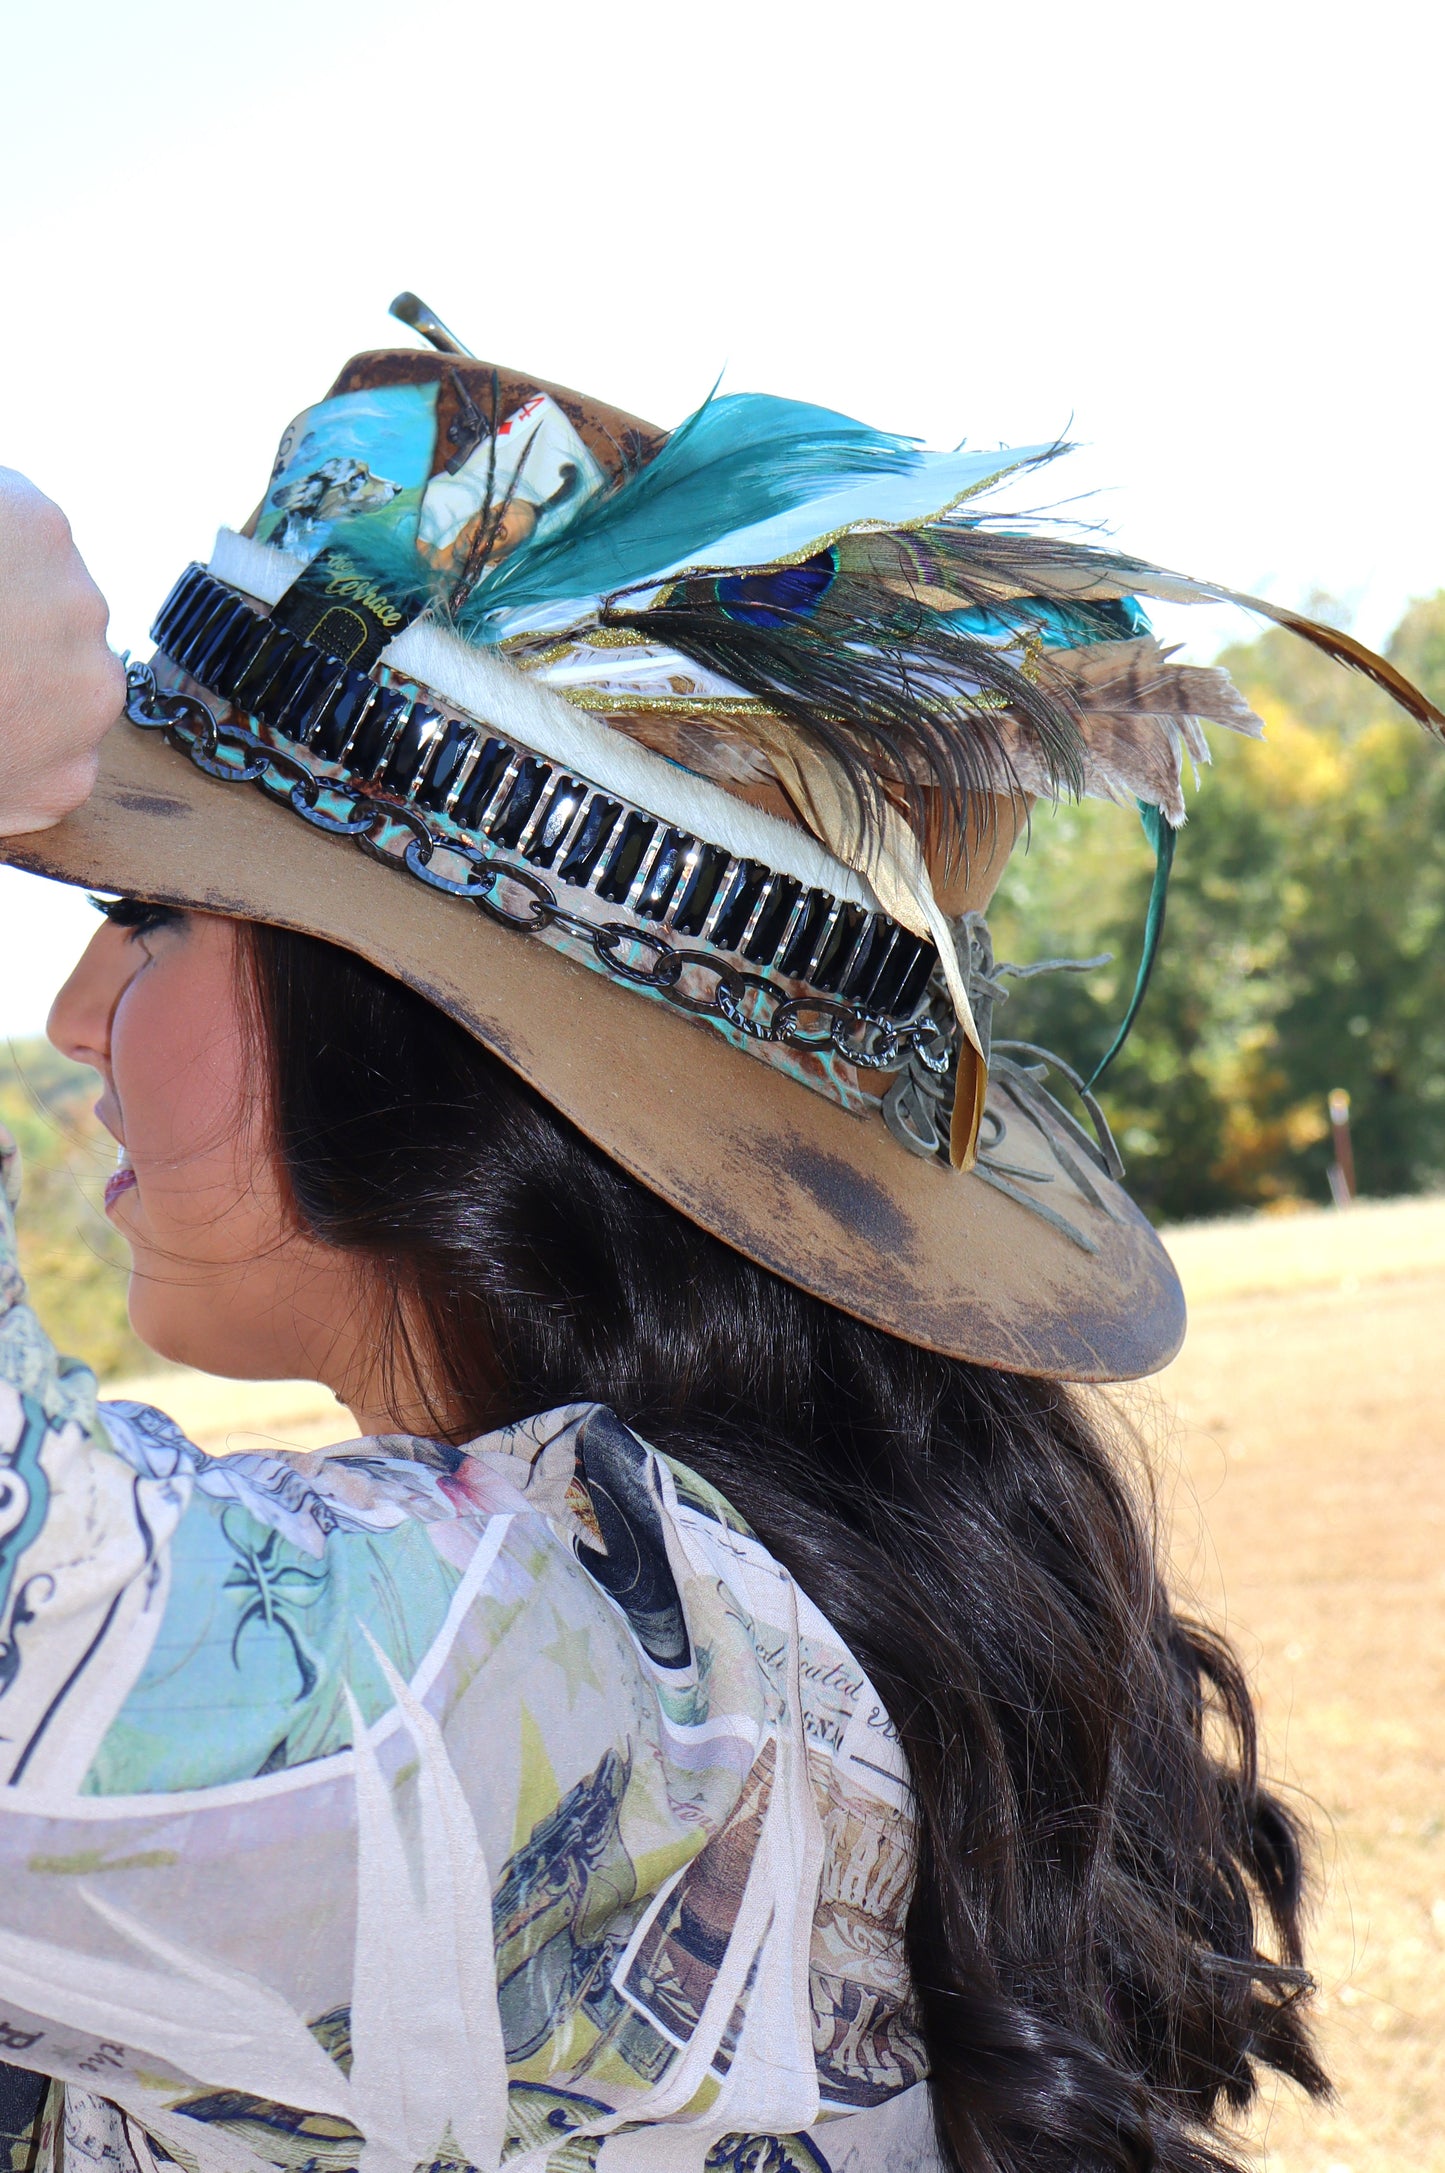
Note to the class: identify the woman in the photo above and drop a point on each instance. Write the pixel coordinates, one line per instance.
(724, 1710)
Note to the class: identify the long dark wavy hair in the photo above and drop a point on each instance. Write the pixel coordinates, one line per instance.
(1104, 1936)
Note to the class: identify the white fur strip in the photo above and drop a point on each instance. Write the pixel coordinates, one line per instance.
(258, 568)
(515, 706)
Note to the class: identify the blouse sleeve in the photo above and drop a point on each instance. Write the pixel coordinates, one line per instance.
(170, 1620)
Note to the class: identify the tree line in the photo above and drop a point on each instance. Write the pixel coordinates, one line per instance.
(1304, 944)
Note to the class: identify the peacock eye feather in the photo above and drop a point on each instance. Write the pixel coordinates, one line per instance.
(778, 596)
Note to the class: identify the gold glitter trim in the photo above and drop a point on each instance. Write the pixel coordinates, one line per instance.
(559, 653)
(596, 699)
(588, 637)
(614, 637)
(676, 705)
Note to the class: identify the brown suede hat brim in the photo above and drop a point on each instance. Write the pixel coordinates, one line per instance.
(829, 1201)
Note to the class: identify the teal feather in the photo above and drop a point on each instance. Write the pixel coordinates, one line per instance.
(1162, 837)
(739, 459)
(1058, 625)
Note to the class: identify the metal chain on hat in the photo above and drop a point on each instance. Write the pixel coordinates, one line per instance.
(752, 1003)
(918, 1104)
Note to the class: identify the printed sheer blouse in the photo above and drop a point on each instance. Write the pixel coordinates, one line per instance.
(428, 1807)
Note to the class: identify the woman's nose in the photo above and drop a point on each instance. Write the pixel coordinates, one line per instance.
(80, 1017)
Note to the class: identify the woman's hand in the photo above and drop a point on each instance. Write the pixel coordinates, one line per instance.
(61, 688)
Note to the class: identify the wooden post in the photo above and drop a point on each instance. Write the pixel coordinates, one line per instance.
(1342, 1169)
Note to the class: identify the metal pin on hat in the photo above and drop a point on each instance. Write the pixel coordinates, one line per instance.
(412, 310)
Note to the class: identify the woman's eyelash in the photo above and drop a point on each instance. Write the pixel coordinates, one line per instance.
(137, 915)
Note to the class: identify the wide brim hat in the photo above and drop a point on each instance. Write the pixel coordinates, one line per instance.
(678, 768)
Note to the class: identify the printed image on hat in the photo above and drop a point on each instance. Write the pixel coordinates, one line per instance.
(680, 768)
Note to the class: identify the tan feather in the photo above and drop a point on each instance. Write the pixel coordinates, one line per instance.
(1126, 758)
(887, 852)
(1140, 676)
(1133, 580)
(708, 749)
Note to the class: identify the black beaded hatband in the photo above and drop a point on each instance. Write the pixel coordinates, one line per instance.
(836, 993)
(841, 997)
(844, 999)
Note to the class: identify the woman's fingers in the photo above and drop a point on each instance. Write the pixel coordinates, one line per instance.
(61, 686)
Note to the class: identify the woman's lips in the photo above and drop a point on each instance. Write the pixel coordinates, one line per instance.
(120, 1180)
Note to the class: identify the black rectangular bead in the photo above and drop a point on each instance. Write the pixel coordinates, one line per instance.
(287, 685)
(226, 661)
(773, 919)
(340, 715)
(736, 910)
(487, 771)
(183, 593)
(201, 624)
(625, 858)
(306, 718)
(273, 656)
(254, 640)
(445, 767)
(510, 820)
(305, 693)
(859, 969)
(590, 842)
(190, 613)
(894, 968)
(413, 744)
(662, 878)
(880, 975)
(798, 957)
(698, 892)
(559, 812)
(915, 981)
(372, 740)
(222, 640)
(838, 949)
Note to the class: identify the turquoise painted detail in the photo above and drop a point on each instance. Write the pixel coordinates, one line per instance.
(357, 456)
(248, 1671)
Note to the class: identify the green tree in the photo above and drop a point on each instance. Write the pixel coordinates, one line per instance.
(1304, 946)
(74, 1263)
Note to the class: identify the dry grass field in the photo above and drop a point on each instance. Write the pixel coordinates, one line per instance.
(1300, 1455)
(1302, 1461)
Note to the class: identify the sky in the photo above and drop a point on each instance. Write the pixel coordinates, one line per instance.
(1202, 243)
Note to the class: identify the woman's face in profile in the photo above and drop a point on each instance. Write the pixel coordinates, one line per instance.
(221, 1277)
